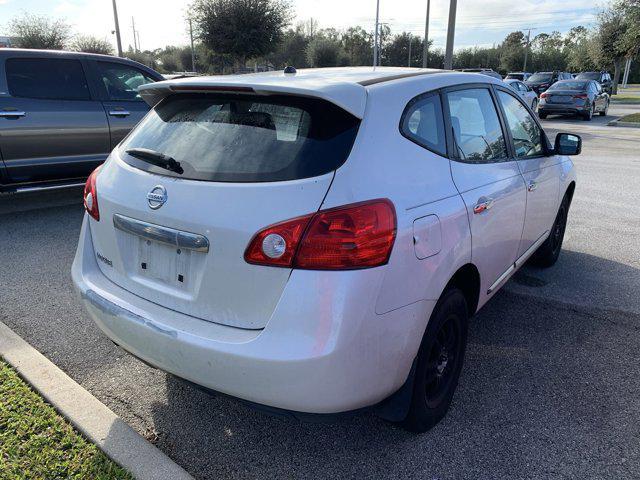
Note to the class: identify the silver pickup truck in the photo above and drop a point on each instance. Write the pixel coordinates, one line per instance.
(61, 113)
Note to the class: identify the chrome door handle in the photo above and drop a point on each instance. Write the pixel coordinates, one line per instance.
(483, 205)
(532, 186)
(119, 113)
(12, 113)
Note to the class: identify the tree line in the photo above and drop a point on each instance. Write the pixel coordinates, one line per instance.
(244, 35)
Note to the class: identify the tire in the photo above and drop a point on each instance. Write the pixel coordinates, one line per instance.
(606, 109)
(542, 115)
(589, 115)
(440, 361)
(548, 253)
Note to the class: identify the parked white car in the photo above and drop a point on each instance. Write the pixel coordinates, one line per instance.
(316, 241)
(525, 92)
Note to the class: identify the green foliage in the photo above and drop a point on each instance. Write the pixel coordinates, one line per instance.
(146, 58)
(324, 51)
(396, 52)
(39, 31)
(37, 443)
(90, 44)
(241, 28)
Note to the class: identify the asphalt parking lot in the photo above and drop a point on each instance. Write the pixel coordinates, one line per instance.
(550, 387)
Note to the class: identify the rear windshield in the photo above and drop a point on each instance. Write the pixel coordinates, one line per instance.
(241, 138)
(568, 86)
(540, 77)
(589, 75)
(514, 76)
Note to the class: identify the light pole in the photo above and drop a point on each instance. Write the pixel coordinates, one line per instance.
(375, 35)
(115, 19)
(193, 53)
(425, 49)
(410, 40)
(526, 51)
(451, 32)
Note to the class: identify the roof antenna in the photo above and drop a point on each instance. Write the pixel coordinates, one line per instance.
(290, 70)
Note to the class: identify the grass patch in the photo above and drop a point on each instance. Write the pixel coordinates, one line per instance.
(622, 98)
(633, 118)
(37, 443)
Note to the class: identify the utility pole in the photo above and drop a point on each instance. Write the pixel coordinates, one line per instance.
(115, 19)
(133, 29)
(375, 35)
(425, 48)
(410, 40)
(451, 32)
(526, 51)
(193, 53)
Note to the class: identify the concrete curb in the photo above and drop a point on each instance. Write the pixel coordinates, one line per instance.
(618, 123)
(87, 414)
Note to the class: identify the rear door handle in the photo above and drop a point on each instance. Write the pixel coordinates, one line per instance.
(483, 205)
(12, 113)
(532, 186)
(119, 113)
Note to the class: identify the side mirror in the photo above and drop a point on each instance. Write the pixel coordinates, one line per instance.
(567, 144)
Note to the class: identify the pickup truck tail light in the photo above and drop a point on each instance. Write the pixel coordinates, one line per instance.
(359, 235)
(91, 195)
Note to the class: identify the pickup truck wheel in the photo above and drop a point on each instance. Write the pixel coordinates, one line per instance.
(439, 363)
(549, 251)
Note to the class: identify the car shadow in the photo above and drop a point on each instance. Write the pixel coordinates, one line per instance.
(546, 384)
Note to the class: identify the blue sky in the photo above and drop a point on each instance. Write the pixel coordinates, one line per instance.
(479, 22)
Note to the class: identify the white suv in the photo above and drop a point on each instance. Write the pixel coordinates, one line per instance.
(315, 242)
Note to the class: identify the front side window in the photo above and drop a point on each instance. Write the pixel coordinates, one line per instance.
(423, 124)
(526, 134)
(476, 127)
(244, 138)
(47, 78)
(121, 81)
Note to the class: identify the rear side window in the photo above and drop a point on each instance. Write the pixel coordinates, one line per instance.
(121, 81)
(47, 78)
(423, 124)
(476, 126)
(242, 138)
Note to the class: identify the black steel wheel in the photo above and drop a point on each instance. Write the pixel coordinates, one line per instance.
(439, 363)
(549, 251)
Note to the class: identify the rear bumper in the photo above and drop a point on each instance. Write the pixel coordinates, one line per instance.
(562, 109)
(324, 349)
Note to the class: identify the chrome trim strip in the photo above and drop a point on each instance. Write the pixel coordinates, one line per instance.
(519, 262)
(531, 250)
(501, 278)
(43, 188)
(158, 233)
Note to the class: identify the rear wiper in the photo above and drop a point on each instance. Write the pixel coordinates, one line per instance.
(156, 158)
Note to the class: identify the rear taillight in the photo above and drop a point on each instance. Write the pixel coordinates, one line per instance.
(91, 195)
(359, 235)
(582, 96)
(544, 95)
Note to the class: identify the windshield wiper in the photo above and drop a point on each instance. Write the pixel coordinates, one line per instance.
(156, 158)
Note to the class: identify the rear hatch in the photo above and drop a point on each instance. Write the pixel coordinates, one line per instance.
(247, 161)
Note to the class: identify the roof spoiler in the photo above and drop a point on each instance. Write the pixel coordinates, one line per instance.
(349, 97)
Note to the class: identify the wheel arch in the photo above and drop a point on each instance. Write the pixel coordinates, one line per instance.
(571, 188)
(467, 279)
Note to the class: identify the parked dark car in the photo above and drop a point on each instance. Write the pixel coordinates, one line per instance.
(540, 81)
(603, 78)
(61, 113)
(522, 76)
(574, 97)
